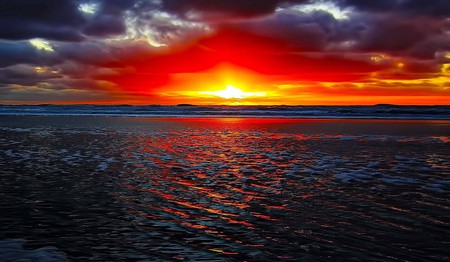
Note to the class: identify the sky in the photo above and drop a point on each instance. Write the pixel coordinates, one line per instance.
(268, 52)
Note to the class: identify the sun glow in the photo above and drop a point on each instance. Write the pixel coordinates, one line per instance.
(232, 92)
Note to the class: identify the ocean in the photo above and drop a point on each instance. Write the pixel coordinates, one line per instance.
(370, 112)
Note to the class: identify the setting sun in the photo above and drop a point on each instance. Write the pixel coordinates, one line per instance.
(231, 92)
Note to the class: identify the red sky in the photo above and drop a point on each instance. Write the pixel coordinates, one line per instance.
(319, 52)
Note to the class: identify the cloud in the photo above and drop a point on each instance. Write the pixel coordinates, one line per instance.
(160, 28)
(435, 8)
(105, 25)
(223, 9)
(26, 75)
(312, 27)
(26, 19)
(417, 39)
(324, 26)
(62, 20)
(21, 52)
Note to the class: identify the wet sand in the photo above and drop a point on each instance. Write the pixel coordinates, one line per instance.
(99, 188)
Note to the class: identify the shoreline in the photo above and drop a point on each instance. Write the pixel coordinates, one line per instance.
(342, 126)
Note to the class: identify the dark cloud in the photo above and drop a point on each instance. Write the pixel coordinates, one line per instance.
(109, 18)
(370, 5)
(25, 19)
(412, 7)
(313, 31)
(12, 53)
(230, 8)
(430, 47)
(105, 25)
(86, 53)
(429, 7)
(249, 7)
(392, 34)
(114, 6)
(384, 31)
(26, 75)
(421, 38)
(101, 54)
(28, 30)
(41, 11)
(59, 20)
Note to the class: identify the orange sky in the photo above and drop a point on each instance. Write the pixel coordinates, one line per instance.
(278, 52)
(271, 73)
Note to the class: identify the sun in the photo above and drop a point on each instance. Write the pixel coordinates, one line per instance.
(232, 92)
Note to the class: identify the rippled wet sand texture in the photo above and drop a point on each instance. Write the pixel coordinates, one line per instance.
(112, 189)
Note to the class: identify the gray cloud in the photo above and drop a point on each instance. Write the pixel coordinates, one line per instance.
(227, 8)
(26, 75)
(25, 19)
(20, 52)
(436, 8)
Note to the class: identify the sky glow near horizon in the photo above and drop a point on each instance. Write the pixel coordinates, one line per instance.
(171, 51)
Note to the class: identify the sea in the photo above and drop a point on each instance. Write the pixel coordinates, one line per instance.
(224, 183)
(381, 111)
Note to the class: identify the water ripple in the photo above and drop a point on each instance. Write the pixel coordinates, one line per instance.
(225, 194)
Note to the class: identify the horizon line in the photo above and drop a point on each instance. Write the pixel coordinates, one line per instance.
(212, 105)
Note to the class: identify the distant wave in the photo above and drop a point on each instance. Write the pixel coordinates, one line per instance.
(370, 112)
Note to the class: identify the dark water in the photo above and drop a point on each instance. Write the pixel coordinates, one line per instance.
(130, 189)
(371, 112)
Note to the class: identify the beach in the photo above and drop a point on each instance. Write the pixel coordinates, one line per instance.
(225, 189)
